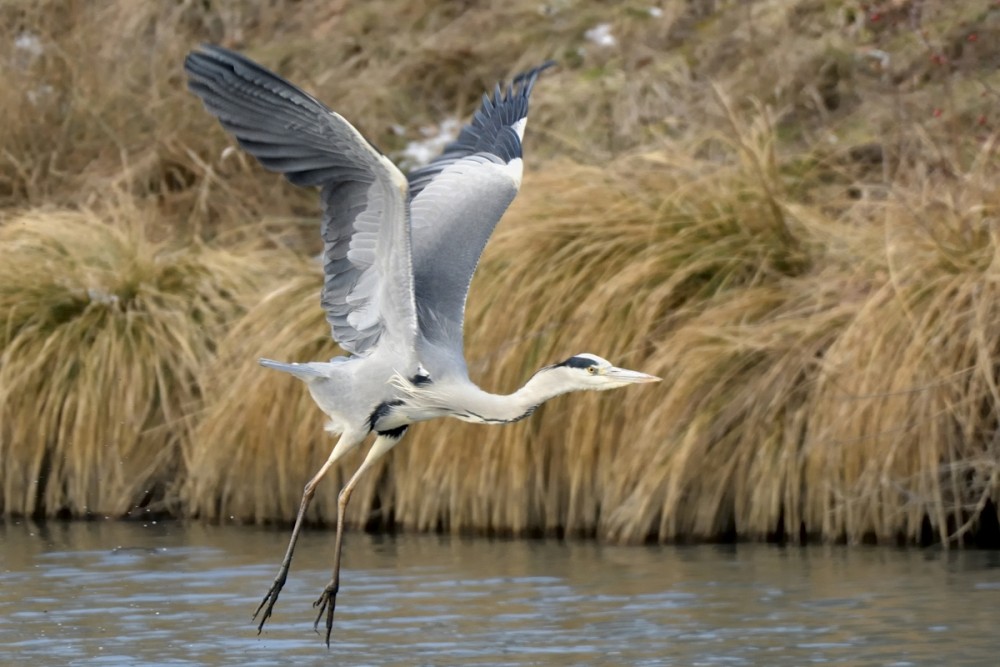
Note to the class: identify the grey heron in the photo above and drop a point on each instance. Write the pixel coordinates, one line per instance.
(399, 253)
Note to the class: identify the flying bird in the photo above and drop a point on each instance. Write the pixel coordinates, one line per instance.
(399, 253)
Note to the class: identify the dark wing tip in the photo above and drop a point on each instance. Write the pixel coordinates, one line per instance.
(490, 130)
(515, 97)
(523, 83)
(212, 53)
(221, 54)
(210, 62)
(532, 74)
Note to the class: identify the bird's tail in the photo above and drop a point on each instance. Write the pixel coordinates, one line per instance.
(305, 372)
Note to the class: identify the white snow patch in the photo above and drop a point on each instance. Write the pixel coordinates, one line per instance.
(601, 35)
(420, 152)
(27, 49)
(98, 295)
(29, 44)
(40, 94)
(655, 12)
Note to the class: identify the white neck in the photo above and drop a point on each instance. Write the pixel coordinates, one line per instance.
(470, 403)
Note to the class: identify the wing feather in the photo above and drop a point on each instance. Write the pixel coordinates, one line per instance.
(368, 288)
(456, 202)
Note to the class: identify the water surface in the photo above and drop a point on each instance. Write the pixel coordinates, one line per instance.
(182, 594)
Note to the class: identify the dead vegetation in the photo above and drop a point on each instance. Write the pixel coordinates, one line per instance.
(789, 210)
(104, 336)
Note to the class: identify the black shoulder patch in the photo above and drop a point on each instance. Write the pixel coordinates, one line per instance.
(381, 410)
(578, 362)
(394, 433)
(419, 380)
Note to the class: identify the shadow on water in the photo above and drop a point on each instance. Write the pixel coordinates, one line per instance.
(177, 593)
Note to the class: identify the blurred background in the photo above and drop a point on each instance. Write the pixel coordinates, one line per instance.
(788, 209)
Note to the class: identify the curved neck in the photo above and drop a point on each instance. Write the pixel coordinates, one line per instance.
(472, 404)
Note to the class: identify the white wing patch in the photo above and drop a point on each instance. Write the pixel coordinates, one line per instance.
(519, 126)
(514, 170)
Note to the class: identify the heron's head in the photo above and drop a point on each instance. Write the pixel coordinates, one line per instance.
(589, 371)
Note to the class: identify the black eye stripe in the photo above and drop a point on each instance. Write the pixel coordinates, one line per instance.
(578, 362)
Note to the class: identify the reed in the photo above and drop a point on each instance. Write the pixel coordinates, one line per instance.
(104, 332)
(908, 389)
(801, 239)
(608, 261)
(260, 436)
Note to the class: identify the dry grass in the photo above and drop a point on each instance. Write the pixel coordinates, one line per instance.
(746, 297)
(102, 339)
(909, 386)
(260, 437)
(808, 259)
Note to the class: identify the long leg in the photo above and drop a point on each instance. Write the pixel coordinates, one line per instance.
(328, 599)
(347, 442)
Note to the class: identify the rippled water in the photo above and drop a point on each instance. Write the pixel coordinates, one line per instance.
(179, 594)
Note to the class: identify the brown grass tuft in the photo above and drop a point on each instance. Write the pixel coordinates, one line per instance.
(908, 389)
(787, 209)
(260, 436)
(103, 336)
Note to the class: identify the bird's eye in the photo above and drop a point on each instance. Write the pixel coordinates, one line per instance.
(591, 369)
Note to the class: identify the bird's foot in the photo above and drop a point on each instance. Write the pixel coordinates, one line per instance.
(327, 602)
(267, 604)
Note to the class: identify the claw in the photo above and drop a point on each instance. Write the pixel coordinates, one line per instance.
(326, 602)
(270, 598)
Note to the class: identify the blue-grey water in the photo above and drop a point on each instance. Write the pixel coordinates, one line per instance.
(172, 593)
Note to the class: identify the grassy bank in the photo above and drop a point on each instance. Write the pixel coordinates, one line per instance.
(801, 239)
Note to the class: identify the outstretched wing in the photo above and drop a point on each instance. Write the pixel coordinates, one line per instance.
(457, 200)
(368, 287)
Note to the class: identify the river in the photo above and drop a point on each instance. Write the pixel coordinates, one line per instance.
(174, 593)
